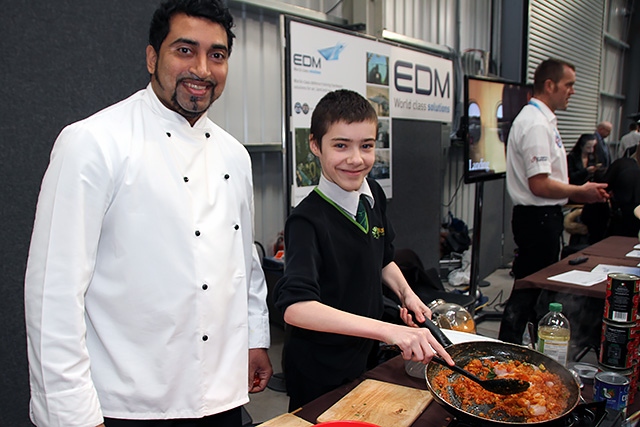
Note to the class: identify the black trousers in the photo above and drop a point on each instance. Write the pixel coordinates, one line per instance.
(231, 418)
(537, 232)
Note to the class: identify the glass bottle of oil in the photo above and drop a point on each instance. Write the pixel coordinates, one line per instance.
(554, 333)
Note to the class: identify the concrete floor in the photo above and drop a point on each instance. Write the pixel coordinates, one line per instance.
(269, 403)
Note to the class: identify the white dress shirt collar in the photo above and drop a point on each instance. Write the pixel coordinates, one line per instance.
(347, 200)
(545, 110)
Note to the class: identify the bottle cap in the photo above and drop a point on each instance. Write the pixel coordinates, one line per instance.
(555, 306)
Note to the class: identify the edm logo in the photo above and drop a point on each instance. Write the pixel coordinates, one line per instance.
(420, 79)
(306, 61)
(331, 53)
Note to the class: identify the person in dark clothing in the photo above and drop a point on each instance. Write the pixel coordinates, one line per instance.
(616, 218)
(339, 251)
(623, 178)
(581, 160)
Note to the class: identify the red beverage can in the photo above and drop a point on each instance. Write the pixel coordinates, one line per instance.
(623, 294)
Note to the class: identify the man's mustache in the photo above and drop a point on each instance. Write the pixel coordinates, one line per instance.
(195, 78)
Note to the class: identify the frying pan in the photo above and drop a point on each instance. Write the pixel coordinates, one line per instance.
(463, 353)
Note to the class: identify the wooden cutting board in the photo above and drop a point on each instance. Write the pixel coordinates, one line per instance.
(381, 403)
(286, 420)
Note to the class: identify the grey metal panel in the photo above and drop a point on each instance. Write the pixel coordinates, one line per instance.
(475, 24)
(268, 196)
(617, 21)
(612, 69)
(438, 21)
(458, 197)
(251, 106)
(491, 241)
(417, 188)
(571, 31)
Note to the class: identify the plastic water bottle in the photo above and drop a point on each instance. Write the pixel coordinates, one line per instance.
(554, 333)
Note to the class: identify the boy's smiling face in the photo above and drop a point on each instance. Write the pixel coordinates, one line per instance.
(347, 153)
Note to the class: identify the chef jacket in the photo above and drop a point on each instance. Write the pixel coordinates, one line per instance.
(143, 290)
(534, 147)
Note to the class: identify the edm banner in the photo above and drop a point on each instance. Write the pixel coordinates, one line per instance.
(398, 82)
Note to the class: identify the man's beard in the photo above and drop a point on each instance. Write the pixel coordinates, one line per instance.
(194, 112)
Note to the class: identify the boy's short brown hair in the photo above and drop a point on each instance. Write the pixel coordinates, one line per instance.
(340, 106)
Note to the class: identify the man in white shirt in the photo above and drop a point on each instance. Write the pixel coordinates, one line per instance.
(538, 183)
(629, 140)
(144, 296)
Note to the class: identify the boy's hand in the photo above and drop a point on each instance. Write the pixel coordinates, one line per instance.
(413, 304)
(417, 344)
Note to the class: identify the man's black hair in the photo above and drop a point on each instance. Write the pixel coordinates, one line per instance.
(340, 106)
(213, 10)
(549, 69)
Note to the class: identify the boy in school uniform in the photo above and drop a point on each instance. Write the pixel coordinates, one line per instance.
(339, 251)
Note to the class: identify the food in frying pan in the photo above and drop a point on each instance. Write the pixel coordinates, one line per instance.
(546, 398)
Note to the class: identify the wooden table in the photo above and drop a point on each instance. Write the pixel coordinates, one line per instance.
(611, 250)
(582, 305)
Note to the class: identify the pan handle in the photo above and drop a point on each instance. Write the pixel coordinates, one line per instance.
(435, 331)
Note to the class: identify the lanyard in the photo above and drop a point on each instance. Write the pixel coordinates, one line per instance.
(555, 130)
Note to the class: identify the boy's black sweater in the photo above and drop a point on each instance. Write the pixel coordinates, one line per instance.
(331, 260)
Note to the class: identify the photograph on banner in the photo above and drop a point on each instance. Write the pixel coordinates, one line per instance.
(379, 98)
(382, 166)
(307, 165)
(383, 136)
(377, 69)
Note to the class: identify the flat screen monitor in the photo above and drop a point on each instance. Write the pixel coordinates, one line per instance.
(490, 106)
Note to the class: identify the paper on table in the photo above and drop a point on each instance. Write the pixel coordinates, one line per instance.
(634, 254)
(606, 269)
(637, 246)
(579, 277)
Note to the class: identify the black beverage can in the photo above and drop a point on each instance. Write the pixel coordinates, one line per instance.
(619, 344)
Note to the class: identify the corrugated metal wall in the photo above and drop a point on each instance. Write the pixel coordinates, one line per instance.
(615, 56)
(571, 31)
(593, 34)
(460, 24)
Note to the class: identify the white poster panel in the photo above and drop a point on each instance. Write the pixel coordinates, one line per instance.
(422, 86)
(399, 83)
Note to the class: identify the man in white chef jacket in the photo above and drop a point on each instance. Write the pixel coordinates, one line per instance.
(145, 299)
